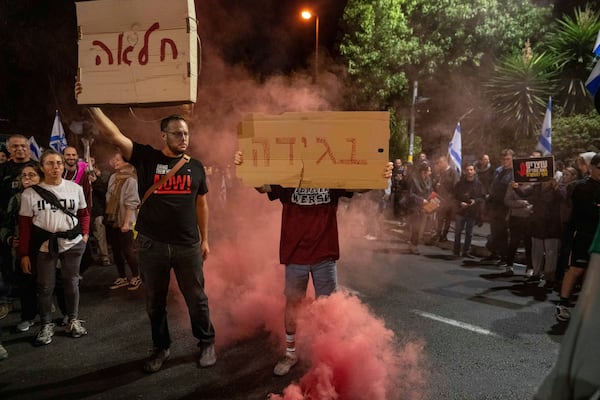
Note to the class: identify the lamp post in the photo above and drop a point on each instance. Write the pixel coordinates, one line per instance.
(307, 14)
(411, 141)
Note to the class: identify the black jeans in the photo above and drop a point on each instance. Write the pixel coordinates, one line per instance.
(123, 249)
(156, 261)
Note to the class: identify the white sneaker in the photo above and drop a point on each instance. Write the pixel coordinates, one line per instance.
(75, 328)
(529, 272)
(285, 364)
(119, 283)
(134, 283)
(45, 334)
(24, 326)
(562, 313)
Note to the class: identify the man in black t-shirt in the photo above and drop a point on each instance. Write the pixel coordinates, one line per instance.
(172, 230)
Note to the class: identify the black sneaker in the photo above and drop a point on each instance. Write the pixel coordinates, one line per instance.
(156, 360)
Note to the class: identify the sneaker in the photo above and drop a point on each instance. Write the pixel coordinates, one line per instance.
(468, 255)
(208, 357)
(24, 326)
(106, 262)
(5, 308)
(285, 364)
(509, 270)
(119, 283)
(134, 283)
(75, 328)
(3, 353)
(533, 279)
(529, 272)
(413, 249)
(45, 334)
(562, 313)
(156, 360)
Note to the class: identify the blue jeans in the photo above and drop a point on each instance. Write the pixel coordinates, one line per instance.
(461, 222)
(156, 260)
(324, 276)
(46, 264)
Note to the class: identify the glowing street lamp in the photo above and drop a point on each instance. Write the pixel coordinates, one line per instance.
(307, 14)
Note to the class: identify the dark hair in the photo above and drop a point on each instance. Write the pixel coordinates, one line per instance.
(36, 167)
(164, 123)
(50, 152)
(596, 160)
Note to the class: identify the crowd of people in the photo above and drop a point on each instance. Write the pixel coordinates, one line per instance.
(554, 220)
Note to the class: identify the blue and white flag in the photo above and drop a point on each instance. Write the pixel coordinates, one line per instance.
(455, 149)
(35, 150)
(58, 140)
(597, 46)
(593, 82)
(544, 144)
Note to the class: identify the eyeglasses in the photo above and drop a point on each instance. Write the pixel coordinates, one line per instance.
(178, 133)
(53, 163)
(30, 175)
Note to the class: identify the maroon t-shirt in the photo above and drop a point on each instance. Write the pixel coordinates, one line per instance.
(309, 232)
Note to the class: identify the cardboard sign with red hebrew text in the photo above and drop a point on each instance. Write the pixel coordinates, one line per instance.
(137, 51)
(315, 149)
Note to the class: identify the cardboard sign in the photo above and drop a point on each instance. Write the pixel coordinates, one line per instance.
(137, 51)
(315, 149)
(539, 169)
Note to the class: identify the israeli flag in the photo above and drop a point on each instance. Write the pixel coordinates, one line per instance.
(455, 149)
(593, 82)
(544, 144)
(35, 150)
(58, 140)
(597, 46)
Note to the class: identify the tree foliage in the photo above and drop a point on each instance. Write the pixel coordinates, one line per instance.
(574, 134)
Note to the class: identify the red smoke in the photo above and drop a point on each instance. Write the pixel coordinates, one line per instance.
(352, 355)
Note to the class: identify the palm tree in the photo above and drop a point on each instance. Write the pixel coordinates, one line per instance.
(571, 47)
(519, 90)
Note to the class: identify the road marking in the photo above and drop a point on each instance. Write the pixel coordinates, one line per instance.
(453, 322)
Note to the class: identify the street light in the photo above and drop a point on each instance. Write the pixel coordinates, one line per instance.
(415, 100)
(307, 14)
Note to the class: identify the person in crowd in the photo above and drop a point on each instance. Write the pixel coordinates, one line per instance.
(584, 220)
(519, 220)
(122, 201)
(99, 187)
(309, 247)
(485, 172)
(9, 234)
(420, 191)
(3, 155)
(469, 197)
(78, 171)
(172, 228)
(565, 189)
(54, 226)
(398, 175)
(10, 184)
(445, 179)
(496, 210)
(546, 229)
(575, 374)
(582, 163)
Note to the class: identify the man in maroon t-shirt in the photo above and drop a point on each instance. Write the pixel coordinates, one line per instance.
(308, 246)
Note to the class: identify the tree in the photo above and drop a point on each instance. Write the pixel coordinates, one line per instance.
(574, 134)
(519, 91)
(570, 44)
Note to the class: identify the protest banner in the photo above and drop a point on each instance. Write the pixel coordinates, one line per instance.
(534, 169)
(315, 149)
(137, 51)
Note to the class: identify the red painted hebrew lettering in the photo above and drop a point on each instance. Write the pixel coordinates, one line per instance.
(328, 151)
(288, 140)
(123, 53)
(266, 151)
(353, 159)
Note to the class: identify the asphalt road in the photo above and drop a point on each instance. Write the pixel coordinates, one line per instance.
(477, 334)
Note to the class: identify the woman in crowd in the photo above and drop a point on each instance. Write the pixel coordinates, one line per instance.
(122, 201)
(31, 175)
(421, 188)
(54, 225)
